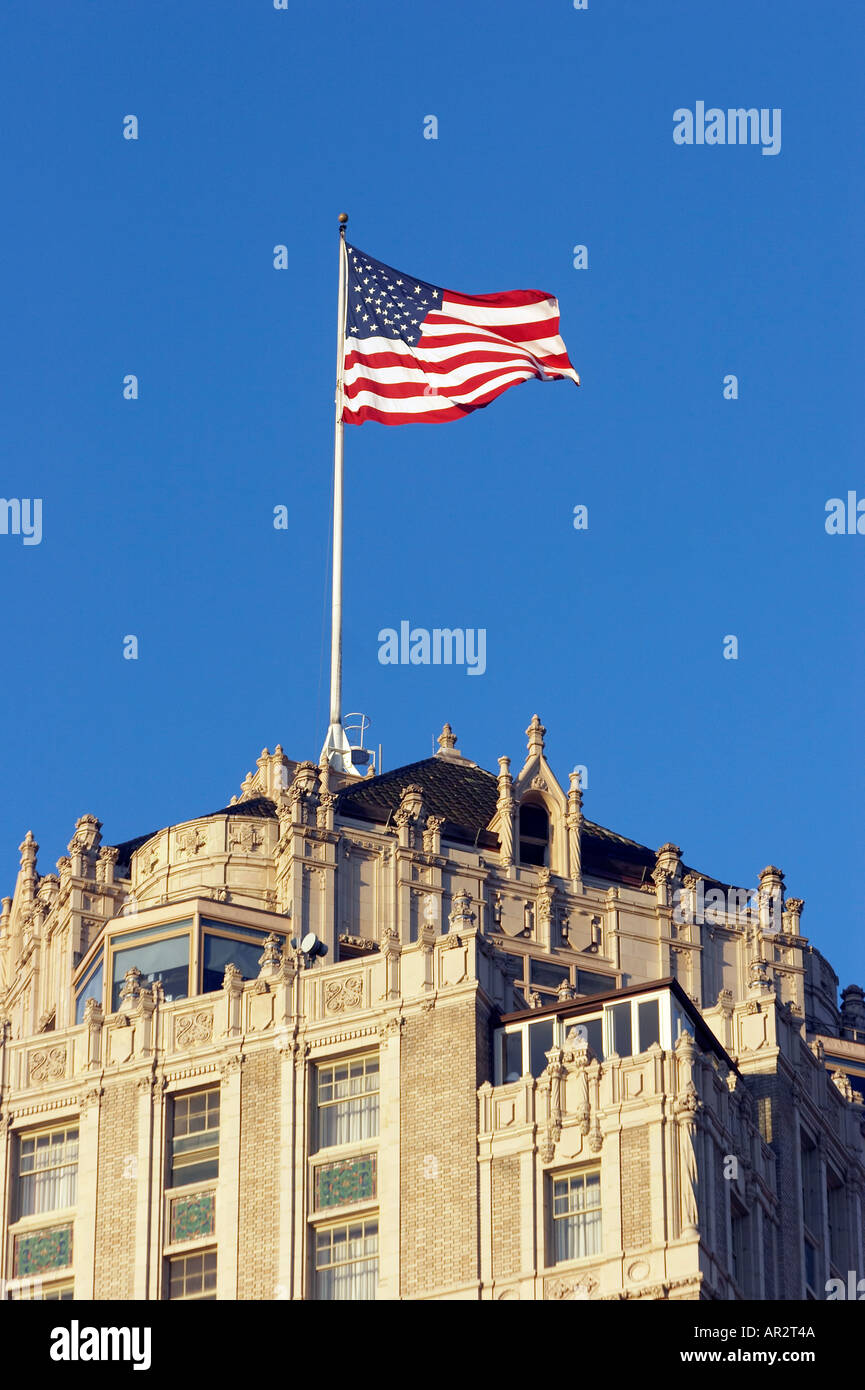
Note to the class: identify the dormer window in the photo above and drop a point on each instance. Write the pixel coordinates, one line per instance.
(534, 835)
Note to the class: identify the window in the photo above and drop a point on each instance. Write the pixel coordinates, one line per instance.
(547, 977)
(540, 1042)
(166, 960)
(512, 1056)
(620, 1029)
(348, 1094)
(90, 989)
(34, 1289)
(837, 1205)
(592, 982)
(739, 1245)
(346, 1260)
(194, 1155)
(534, 835)
(576, 1215)
(812, 1211)
(47, 1171)
(595, 1035)
(649, 1023)
(193, 1276)
(219, 951)
(523, 1047)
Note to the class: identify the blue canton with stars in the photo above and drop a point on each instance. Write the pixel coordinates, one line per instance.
(384, 303)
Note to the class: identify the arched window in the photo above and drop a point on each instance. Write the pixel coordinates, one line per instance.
(534, 835)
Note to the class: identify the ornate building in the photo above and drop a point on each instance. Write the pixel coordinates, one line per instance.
(426, 1034)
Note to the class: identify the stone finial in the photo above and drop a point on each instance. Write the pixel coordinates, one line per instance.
(461, 916)
(771, 879)
(447, 739)
(535, 734)
(232, 980)
(131, 986)
(669, 858)
(269, 961)
(575, 788)
(87, 835)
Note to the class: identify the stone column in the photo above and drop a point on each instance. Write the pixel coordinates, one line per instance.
(228, 1182)
(505, 809)
(388, 1176)
(84, 1255)
(575, 828)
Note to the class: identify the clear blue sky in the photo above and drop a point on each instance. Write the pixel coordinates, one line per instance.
(706, 516)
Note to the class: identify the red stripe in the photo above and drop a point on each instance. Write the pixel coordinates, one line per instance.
(409, 390)
(434, 417)
(519, 298)
(514, 332)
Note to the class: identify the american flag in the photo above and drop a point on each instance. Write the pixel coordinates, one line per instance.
(415, 353)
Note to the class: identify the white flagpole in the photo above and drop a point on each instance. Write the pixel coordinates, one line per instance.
(336, 747)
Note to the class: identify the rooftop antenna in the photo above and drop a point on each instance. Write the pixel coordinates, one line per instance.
(337, 749)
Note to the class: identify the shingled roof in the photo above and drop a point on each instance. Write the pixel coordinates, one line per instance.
(465, 795)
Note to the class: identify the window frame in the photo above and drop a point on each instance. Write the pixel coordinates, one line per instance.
(545, 844)
(179, 1189)
(321, 1227)
(348, 1147)
(182, 1255)
(562, 1024)
(37, 1218)
(590, 1170)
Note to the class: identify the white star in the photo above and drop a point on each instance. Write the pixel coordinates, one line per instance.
(399, 282)
(414, 321)
(435, 294)
(365, 317)
(417, 289)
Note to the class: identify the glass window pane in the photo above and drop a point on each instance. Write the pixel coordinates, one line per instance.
(540, 1042)
(595, 1036)
(91, 990)
(650, 1024)
(546, 974)
(512, 1053)
(620, 1028)
(589, 982)
(219, 951)
(166, 961)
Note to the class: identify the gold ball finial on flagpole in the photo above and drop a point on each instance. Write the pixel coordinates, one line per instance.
(343, 218)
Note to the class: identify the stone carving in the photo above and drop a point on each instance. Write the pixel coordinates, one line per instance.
(189, 842)
(342, 995)
(48, 1064)
(579, 1287)
(193, 1028)
(246, 837)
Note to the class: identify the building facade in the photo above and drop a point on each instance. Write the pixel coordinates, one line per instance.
(426, 1034)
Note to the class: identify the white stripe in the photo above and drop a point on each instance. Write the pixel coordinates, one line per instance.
(495, 318)
(539, 347)
(419, 405)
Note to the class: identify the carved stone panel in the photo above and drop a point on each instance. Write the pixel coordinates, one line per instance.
(340, 996)
(47, 1064)
(193, 1028)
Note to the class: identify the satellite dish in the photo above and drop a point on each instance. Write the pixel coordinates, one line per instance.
(293, 943)
(309, 943)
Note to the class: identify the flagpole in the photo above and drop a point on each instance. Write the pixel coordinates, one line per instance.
(336, 748)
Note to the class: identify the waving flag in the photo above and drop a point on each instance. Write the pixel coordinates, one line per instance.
(418, 354)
